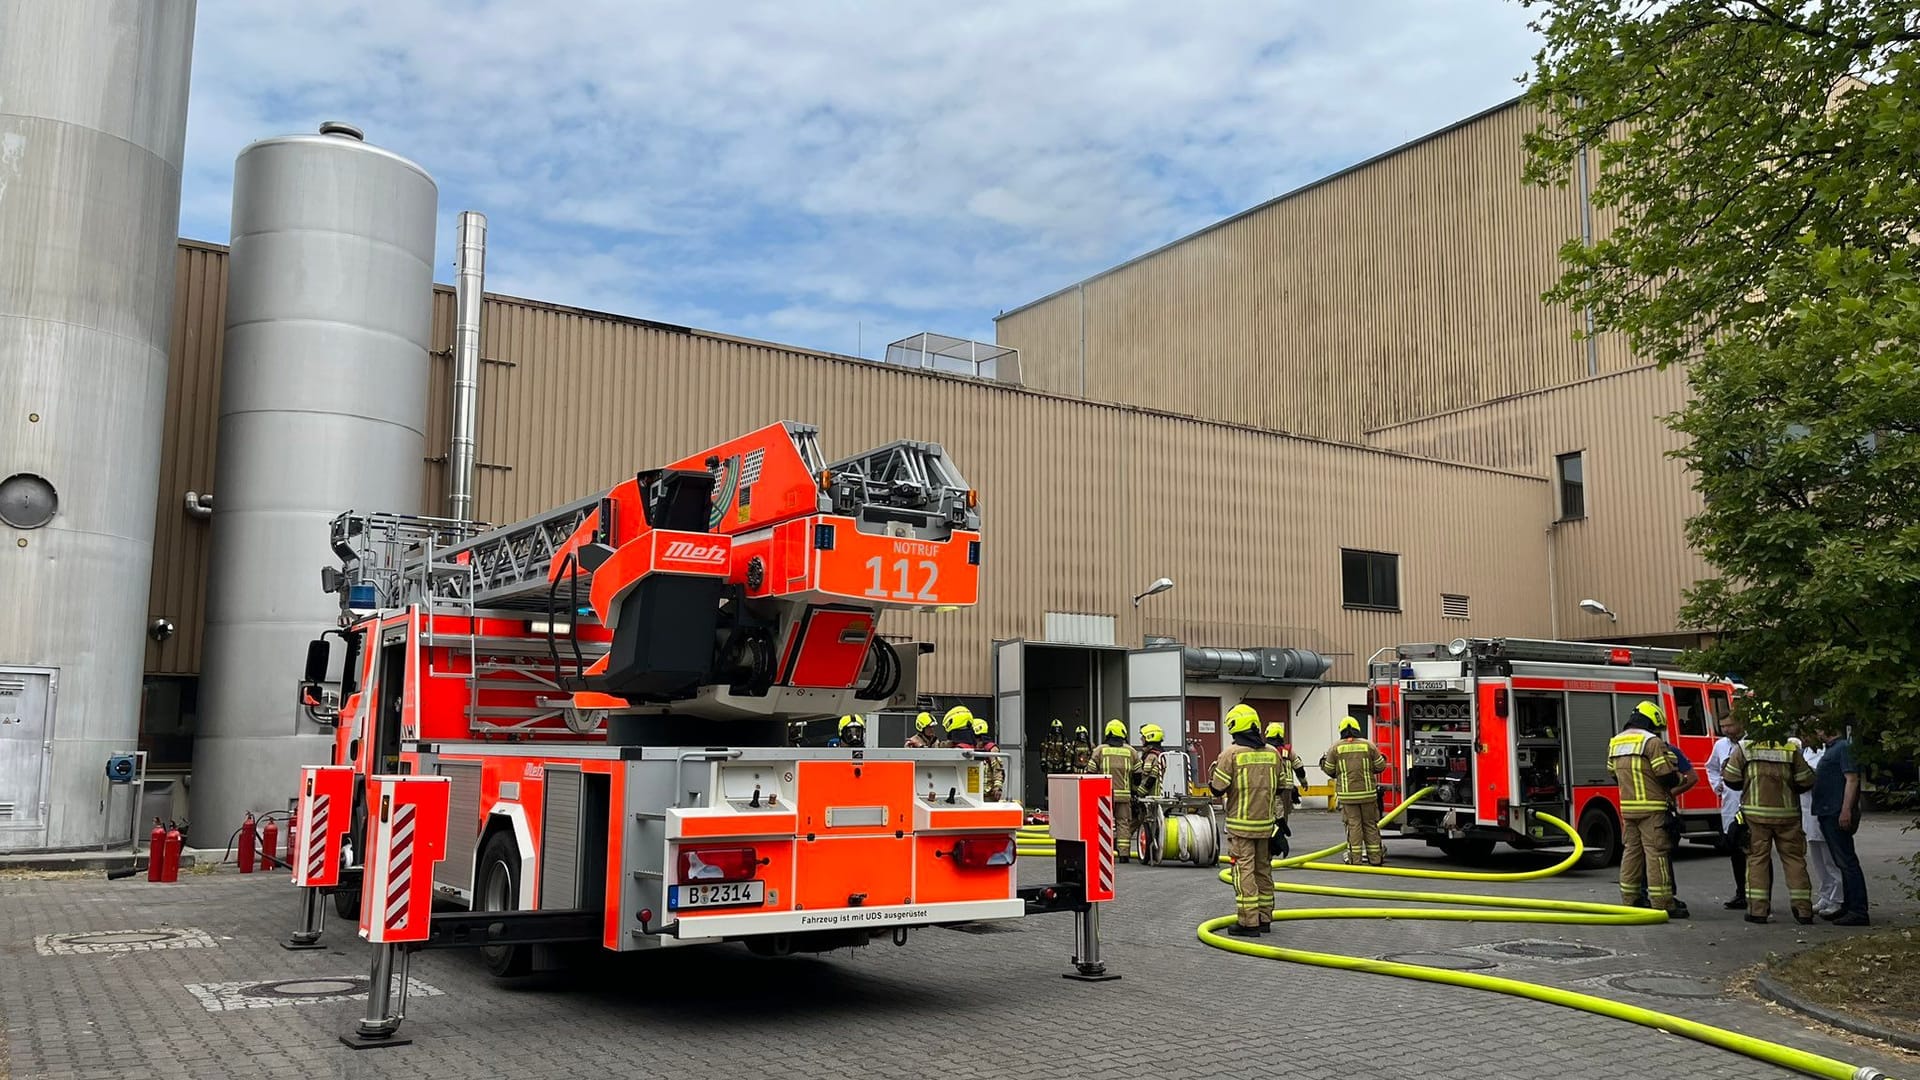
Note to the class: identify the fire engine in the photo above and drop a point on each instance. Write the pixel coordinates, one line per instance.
(610, 689)
(1504, 729)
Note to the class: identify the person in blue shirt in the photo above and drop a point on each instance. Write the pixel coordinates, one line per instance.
(1836, 805)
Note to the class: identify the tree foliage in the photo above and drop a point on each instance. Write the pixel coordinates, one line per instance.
(1757, 168)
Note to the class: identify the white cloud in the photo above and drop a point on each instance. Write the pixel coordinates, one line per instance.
(790, 171)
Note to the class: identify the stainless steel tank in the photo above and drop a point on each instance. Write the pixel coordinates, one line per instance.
(93, 114)
(323, 408)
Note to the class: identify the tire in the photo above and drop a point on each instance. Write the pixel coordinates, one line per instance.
(496, 887)
(1600, 833)
(1467, 849)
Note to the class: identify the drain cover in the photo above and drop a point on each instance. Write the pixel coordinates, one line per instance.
(84, 942)
(229, 996)
(1447, 960)
(1661, 984)
(308, 987)
(1550, 950)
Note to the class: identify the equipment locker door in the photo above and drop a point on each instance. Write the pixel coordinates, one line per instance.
(1156, 693)
(1009, 722)
(26, 734)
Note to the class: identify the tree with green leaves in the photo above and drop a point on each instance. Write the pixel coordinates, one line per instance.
(1759, 167)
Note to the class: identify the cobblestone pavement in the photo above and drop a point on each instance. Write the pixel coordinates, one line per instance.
(952, 1004)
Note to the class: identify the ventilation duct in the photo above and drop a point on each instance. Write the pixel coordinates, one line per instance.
(1261, 665)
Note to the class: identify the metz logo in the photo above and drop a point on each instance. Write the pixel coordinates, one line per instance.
(688, 551)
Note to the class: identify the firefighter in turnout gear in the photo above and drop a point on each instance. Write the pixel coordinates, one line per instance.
(994, 780)
(926, 735)
(1355, 766)
(1643, 765)
(1053, 750)
(1118, 760)
(1247, 774)
(1080, 760)
(1153, 762)
(1770, 774)
(1293, 777)
(853, 731)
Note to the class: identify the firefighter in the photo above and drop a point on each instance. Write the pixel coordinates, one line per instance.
(1642, 764)
(1118, 760)
(1293, 777)
(994, 785)
(1081, 759)
(1770, 774)
(1053, 749)
(1247, 774)
(853, 731)
(1355, 766)
(1152, 769)
(925, 735)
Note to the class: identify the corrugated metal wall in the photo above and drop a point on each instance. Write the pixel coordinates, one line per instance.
(1084, 504)
(1407, 286)
(1630, 551)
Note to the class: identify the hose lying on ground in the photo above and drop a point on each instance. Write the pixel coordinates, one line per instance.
(1506, 909)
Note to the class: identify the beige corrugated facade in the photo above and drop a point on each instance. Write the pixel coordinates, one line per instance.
(1403, 287)
(1627, 551)
(1082, 503)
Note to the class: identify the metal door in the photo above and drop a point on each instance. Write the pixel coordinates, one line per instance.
(1009, 718)
(1157, 692)
(26, 745)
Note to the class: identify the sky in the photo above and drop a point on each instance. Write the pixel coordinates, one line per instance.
(837, 175)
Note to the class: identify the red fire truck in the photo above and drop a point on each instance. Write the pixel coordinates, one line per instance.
(614, 691)
(1504, 729)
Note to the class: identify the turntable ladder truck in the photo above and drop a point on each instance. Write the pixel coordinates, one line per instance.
(581, 728)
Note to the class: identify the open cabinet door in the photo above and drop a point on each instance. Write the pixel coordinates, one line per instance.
(1009, 718)
(1157, 693)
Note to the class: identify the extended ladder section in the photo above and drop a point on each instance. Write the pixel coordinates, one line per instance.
(1544, 651)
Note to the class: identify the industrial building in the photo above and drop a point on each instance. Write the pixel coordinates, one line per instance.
(1338, 421)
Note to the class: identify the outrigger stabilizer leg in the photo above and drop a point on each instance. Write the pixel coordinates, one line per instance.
(381, 1026)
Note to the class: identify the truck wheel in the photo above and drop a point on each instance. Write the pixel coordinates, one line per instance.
(497, 888)
(1600, 833)
(1467, 849)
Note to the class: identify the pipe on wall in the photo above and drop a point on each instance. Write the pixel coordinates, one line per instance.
(469, 286)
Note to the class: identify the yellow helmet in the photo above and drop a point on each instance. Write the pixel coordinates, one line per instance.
(1114, 727)
(1277, 730)
(1057, 726)
(979, 726)
(851, 721)
(958, 718)
(1081, 730)
(1241, 718)
(1652, 714)
(1151, 733)
(923, 721)
(1347, 724)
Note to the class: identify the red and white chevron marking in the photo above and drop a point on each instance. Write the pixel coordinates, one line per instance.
(400, 866)
(316, 837)
(1106, 845)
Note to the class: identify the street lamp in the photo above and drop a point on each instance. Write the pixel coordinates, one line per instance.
(1595, 607)
(1159, 586)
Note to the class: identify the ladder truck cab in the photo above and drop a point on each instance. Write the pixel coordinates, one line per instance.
(1504, 729)
(612, 689)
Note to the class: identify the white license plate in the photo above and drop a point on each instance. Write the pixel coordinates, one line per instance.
(731, 894)
(1433, 684)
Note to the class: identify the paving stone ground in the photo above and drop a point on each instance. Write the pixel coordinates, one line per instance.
(951, 1005)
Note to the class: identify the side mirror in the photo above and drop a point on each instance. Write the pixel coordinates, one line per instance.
(319, 655)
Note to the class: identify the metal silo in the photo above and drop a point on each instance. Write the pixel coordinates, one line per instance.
(323, 408)
(93, 113)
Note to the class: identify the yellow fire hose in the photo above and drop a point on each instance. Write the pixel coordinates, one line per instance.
(1511, 909)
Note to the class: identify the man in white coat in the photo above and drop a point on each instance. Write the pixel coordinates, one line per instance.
(1731, 826)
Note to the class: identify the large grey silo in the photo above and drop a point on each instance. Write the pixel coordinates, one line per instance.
(323, 408)
(93, 112)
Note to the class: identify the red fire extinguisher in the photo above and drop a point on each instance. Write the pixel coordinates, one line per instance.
(270, 845)
(170, 852)
(156, 851)
(248, 838)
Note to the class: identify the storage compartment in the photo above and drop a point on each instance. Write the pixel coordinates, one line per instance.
(1439, 734)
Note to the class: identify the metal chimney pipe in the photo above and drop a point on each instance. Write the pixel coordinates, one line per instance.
(469, 284)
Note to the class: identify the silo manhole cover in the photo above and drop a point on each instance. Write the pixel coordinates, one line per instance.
(85, 942)
(309, 990)
(1446, 960)
(1542, 951)
(1660, 984)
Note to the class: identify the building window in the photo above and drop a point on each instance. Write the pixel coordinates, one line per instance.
(1455, 606)
(1370, 580)
(1570, 470)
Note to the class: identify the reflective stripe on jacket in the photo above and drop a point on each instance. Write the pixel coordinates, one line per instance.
(1355, 767)
(1770, 777)
(1251, 777)
(1637, 758)
(1118, 762)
